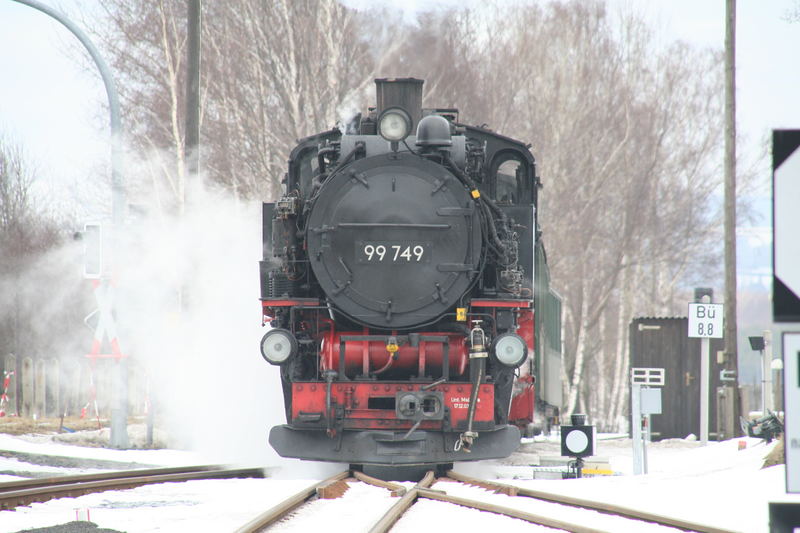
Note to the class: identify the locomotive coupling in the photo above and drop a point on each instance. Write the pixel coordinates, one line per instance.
(465, 441)
(419, 406)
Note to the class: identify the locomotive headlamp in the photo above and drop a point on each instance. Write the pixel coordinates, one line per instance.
(510, 350)
(277, 346)
(394, 124)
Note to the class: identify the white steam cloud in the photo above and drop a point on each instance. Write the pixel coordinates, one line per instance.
(187, 310)
(211, 386)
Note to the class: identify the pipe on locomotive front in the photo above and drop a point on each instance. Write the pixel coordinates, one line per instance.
(477, 356)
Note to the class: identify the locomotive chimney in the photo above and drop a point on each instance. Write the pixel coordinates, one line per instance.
(401, 92)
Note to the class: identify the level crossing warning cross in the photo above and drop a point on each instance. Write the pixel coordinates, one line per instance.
(106, 328)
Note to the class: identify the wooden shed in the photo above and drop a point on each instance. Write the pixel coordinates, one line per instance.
(664, 343)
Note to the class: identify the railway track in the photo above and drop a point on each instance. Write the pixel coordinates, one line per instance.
(17, 493)
(517, 505)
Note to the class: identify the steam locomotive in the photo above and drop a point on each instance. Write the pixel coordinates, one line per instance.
(407, 290)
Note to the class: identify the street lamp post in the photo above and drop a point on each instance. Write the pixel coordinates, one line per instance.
(119, 433)
(117, 180)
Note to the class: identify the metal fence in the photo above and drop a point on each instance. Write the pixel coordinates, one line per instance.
(48, 387)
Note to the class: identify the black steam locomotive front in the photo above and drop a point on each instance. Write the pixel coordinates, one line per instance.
(398, 279)
(394, 240)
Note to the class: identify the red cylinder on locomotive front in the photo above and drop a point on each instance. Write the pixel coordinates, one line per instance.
(372, 357)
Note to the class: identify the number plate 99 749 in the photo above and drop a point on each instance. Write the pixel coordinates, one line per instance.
(384, 252)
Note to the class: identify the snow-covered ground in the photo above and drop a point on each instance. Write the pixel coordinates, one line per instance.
(719, 484)
(44, 445)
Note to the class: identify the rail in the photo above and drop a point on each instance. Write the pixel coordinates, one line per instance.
(288, 505)
(333, 487)
(23, 492)
(607, 508)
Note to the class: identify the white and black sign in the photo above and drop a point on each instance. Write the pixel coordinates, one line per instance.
(92, 251)
(705, 320)
(652, 377)
(786, 220)
(791, 396)
(392, 252)
(577, 441)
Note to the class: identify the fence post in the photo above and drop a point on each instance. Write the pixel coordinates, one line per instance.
(85, 387)
(11, 366)
(51, 393)
(133, 389)
(71, 388)
(26, 379)
(39, 388)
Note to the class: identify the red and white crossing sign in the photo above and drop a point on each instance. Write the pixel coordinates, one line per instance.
(786, 221)
(106, 328)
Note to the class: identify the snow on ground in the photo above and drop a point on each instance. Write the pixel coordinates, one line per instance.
(44, 445)
(357, 510)
(212, 506)
(718, 484)
(30, 469)
(565, 513)
(432, 515)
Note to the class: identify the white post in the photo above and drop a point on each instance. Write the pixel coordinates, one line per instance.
(766, 374)
(705, 322)
(636, 429)
(645, 441)
(704, 365)
(791, 406)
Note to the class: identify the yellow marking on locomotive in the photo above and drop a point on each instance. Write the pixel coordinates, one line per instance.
(461, 314)
(476, 193)
(392, 347)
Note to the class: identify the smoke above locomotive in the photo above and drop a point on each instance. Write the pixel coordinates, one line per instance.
(400, 277)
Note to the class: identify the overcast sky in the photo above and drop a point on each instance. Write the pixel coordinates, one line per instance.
(50, 106)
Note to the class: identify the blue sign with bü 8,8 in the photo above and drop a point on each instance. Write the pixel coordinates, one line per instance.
(705, 320)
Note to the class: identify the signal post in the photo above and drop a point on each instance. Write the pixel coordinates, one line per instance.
(705, 322)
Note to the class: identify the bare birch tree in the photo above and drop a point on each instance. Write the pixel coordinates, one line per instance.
(624, 135)
(272, 72)
(31, 280)
(284, 70)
